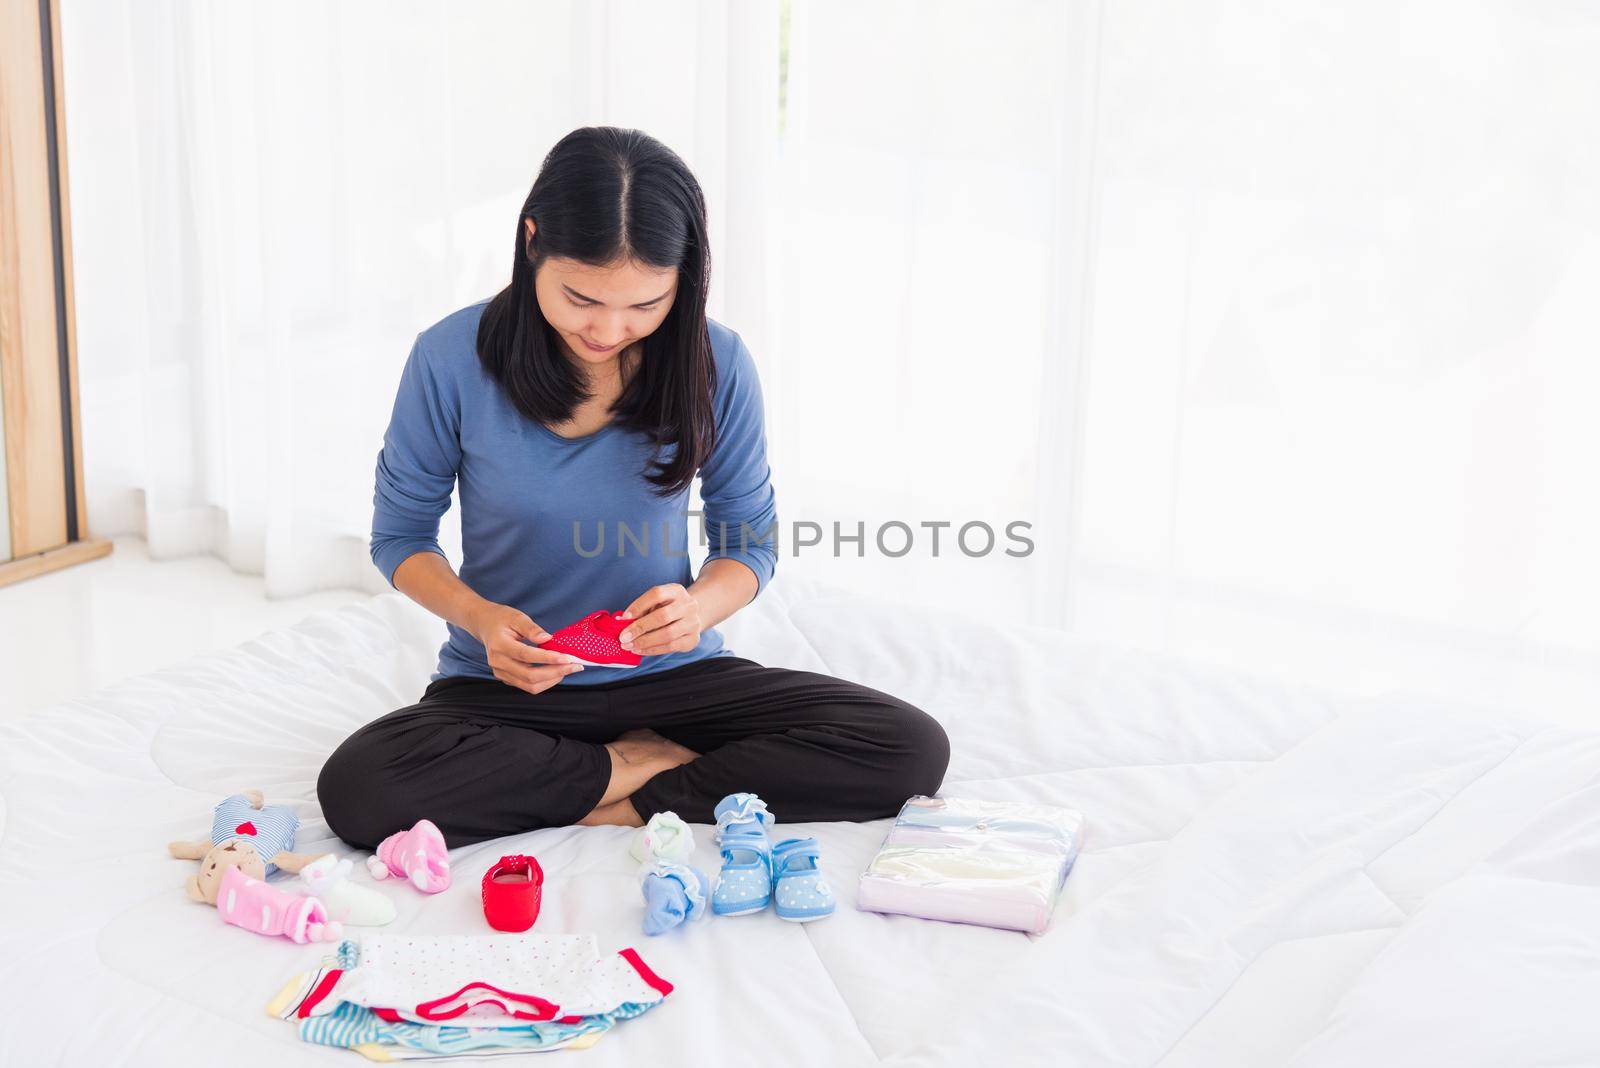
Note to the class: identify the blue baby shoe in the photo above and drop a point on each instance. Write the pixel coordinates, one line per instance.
(799, 891)
(745, 882)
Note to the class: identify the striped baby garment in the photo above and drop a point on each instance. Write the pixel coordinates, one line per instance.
(269, 829)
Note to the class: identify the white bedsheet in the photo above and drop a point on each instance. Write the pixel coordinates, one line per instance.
(1269, 877)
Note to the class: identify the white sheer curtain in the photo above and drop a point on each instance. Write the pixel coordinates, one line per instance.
(271, 200)
(1275, 323)
(1340, 416)
(931, 186)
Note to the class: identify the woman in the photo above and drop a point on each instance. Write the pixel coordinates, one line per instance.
(582, 399)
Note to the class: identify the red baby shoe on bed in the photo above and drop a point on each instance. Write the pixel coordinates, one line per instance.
(511, 889)
(593, 640)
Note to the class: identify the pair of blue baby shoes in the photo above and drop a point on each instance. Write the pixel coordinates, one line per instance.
(754, 871)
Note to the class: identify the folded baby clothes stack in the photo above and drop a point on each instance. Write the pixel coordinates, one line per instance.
(994, 863)
(394, 997)
(380, 1036)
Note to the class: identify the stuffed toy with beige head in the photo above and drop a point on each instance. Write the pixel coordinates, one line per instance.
(246, 835)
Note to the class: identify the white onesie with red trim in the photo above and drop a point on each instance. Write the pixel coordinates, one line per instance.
(439, 978)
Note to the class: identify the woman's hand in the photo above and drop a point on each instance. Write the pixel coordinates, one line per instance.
(666, 620)
(502, 629)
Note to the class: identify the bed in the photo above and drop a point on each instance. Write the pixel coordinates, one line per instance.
(1269, 876)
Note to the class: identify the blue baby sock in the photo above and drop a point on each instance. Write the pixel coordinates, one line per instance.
(673, 893)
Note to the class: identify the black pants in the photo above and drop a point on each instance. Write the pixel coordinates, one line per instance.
(482, 759)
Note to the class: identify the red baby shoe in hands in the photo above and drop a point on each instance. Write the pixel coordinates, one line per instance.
(593, 640)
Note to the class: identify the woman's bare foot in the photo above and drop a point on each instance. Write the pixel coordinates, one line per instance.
(636, 758)
(645, 746)
(617, 814)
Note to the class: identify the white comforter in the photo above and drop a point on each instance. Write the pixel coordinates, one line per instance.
(1269, 877)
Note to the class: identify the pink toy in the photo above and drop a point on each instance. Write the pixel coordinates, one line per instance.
(264, 909)
(418, 855)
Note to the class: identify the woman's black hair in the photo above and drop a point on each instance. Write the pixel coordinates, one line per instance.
(605, 196)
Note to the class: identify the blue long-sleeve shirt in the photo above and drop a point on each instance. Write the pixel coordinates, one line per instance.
(561, 527)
